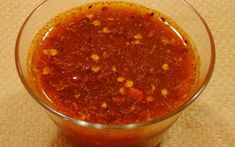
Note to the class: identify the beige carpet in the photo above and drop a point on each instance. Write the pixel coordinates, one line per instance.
(210, 121)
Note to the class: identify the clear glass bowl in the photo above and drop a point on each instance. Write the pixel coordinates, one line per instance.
(144, 134)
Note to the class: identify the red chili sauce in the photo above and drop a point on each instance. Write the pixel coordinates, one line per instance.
(114, 63)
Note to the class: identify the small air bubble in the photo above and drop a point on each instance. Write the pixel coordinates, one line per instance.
(90, 6)
(163, 18)
(151, 14)
(75, 77)
(104, 8)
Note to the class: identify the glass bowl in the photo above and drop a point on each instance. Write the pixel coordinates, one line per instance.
(145, 134)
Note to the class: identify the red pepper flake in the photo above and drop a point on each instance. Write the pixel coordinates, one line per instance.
(135, 93)
(149, 99)
(46, 52)
(132, 108)
(110, 19)
(83, 117)
(51, 52)
(114, 68)
(166, 42)
(76, 96)
(118, 99)
(45, 71)
(136, 42)
(153, 87)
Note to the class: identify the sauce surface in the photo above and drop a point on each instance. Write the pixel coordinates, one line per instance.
(114, 63)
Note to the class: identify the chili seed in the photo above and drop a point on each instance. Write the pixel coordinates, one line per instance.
(164, 92)
(129, 83)
(104, 105)
(120, 79)
(165, 67)
(138, 36)
(53, 52)
(95, 68)
(106, 30)
(95, 57)
(122, 90)
(96, 23)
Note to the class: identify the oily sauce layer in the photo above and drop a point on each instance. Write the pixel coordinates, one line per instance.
(114, 63)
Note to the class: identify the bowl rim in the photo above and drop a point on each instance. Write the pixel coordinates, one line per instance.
(82, 123)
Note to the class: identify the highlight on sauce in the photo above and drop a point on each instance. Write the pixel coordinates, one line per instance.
(113, 63)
